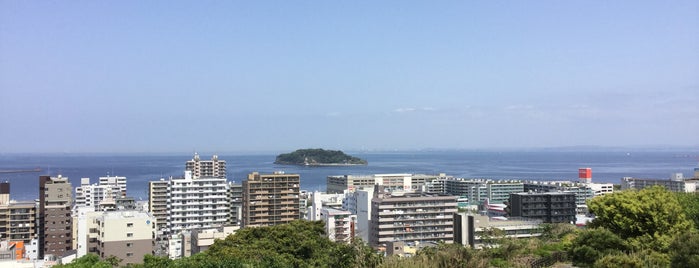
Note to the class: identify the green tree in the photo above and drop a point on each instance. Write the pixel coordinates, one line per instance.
(618, 261)
(690, 205)
(296, 244)
(593, 244)
(87, 261)
(685, 250)
(648, 218)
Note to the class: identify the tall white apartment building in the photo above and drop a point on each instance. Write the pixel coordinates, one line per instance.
(206, 168)
(109, 188)
(196, 202)
(338, 224)
(115, 182)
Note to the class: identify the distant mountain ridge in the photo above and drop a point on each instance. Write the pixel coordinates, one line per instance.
(318, 157)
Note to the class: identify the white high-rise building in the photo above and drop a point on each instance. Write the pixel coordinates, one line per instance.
(196, 203)
(109, 188)
(116, 182)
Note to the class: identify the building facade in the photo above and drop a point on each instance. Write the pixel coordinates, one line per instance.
(235, 197)
(478, 190)
(17, 219)
(157, 204)
(214, 168)
(55, 222)
(270, 199)
(196, 202)
(128, 235)
(411, 217)
(338, 224)
(678, 184)
(549, 207)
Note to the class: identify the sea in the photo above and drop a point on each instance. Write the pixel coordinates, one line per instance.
(139, 169)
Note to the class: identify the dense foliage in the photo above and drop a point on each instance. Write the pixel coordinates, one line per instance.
(648, 218)
(318, 157)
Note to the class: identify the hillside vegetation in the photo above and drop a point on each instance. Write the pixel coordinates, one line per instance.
(318, 157)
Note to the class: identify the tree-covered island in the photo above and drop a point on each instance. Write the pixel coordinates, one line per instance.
(318, 157)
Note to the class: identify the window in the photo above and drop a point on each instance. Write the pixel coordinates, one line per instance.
(129, 254)
(130, 224)
(128, 245)
(129, 234)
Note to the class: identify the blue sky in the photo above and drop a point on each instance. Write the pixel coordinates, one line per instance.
(225, 76)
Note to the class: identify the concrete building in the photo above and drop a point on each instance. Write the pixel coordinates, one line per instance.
(55, 222)
(338, 224)
(128, 235)
(202, 239)
(108, 190)
(196, 203)
(411, 217)
(157, 204)
(116, 182)
(399, 181)
(676, 183)
(213, 168)
(549, 207)
(235, 198)
(322, 200)
(270, 199)
(17, 219)
(469, 230)
(478, 190)
(363, 206)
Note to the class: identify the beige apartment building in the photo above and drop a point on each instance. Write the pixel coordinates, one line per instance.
(213, 168)
(411, 217)
(128, 235)
(270, 199)
(157, 203)
(17, 219)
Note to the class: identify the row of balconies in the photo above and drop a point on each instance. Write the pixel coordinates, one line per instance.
(416, 204)
(409, 230)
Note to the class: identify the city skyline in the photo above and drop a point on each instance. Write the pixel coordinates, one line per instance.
(229, 77)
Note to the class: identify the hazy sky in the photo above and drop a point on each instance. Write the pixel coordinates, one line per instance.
(224, 76)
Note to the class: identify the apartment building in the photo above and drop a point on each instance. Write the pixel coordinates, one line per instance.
(398, 181)
(17, 219)
(338, 224)
(549, 207)
(109, 188)
(235, 197)
(270, 199)
(676, 183)
(477, 190)
(471, 230)
(115, 182)
(411, 217)
(157, 204)
(214, 168)
(55, 222)
(128, 235)
(196, 202)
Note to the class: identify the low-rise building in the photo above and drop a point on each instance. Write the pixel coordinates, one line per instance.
(676, 183)
(549, 207)
(128, 235)
(472, 230)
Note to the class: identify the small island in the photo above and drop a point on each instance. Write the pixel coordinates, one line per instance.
(318, 157)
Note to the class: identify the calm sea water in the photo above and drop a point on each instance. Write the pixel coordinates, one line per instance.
(139, 169)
